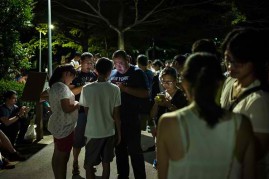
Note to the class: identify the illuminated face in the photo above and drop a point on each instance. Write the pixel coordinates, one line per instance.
(236, 69)
(122, 65)
(87, 65)
(168, 82)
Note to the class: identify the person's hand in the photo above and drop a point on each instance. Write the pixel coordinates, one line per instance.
(162, 101)
(23, 111)
(76, 104)
(122, 86)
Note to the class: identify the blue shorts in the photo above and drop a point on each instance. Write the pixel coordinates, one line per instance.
(79, 137)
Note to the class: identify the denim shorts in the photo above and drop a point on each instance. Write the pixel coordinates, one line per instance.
(79, 138)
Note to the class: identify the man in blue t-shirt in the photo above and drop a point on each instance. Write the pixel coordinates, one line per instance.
(133, 85)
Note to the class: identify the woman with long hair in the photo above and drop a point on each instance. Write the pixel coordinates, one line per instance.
(202, 140)
(63, 119)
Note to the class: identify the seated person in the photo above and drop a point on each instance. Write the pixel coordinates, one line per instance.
(8, 150)
(13, 119)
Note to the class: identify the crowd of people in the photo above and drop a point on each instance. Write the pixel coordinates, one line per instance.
(207, 111)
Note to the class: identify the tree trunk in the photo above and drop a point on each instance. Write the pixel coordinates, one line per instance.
(121, 44)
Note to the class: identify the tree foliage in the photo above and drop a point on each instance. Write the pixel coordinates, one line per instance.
(138, 24)
(15, 15)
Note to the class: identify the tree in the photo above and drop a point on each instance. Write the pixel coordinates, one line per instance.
(15, 16)
(122, 16)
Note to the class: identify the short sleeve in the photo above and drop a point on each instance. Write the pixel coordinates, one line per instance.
(118, 97)
(62, 91)
(259, 115)
(82, 99)
(140, 79)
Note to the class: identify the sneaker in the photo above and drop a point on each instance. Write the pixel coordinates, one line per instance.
(16, 156)
(154, 164)
(75, 170)
(7, 164)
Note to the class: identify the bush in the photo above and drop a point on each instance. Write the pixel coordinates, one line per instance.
(10, 85)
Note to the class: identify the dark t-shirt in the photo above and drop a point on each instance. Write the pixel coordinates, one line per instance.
(136, 78)
(8, 112)
(179, 100)
(81, 79)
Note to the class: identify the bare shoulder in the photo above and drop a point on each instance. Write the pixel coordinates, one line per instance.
(168, 124)
(168, 119)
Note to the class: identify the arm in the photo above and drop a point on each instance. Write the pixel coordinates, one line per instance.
(137, 92)
(44, 96)
(75, 90)
(162, 153)
(116, 117)
(245, 149)
(8, 121)
(168, 143)
(68, 107)
(262, 143)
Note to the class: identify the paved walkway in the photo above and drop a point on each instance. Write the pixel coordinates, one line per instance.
(38, 166)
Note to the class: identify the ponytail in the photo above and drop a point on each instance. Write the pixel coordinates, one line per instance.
(203, 72)
(205, 91)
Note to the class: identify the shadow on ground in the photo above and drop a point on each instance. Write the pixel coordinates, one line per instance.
(30, 149)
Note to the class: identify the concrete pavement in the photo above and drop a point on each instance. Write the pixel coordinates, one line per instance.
(38, 166)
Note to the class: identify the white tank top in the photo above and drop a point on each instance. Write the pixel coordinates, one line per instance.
(209, 153)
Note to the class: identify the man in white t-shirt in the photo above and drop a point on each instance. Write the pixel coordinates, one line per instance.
(101, 100)
(75, 61)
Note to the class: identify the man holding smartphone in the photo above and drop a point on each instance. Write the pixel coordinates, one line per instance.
(132, 82)
(13, 118)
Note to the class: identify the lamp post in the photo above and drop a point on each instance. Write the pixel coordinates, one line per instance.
(42, 30)
(49, 39)
(39, 62)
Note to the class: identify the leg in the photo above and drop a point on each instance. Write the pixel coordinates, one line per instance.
(107, 155)
(5, 143)
(122, 155)
(23, 123)
(79, 141)
(59, 163)
(76, 152)
(135, 151)
(11, 131)
(90, 172)
(106, 170)
(61, 154)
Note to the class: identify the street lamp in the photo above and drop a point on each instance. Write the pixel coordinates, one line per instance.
(41, 30)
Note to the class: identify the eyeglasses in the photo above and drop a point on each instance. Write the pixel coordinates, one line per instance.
(167, 82)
